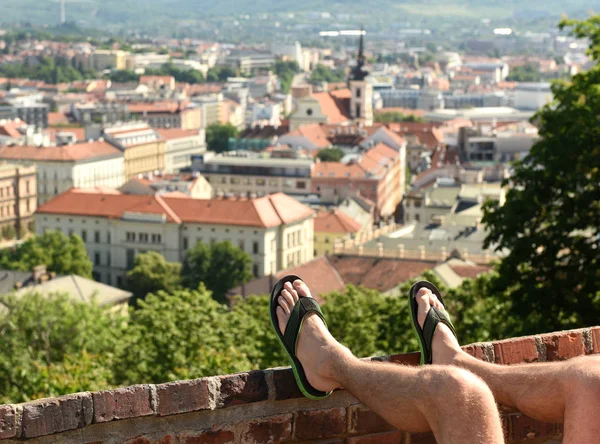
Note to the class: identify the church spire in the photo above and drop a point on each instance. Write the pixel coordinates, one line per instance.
(358, 72)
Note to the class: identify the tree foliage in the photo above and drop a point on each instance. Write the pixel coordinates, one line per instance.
(322, 73)
(286, 72)
(48, 70)
(330, 154)
(395, 117)
(550, 223)
(123, 76)
(525, 73)
(220, 266)
(216, 74)
(191, 76)
(152, 273)
(61, 254)
(217, 136)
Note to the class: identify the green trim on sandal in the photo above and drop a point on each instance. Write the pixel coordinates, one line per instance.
(433, 319)
(289, 339)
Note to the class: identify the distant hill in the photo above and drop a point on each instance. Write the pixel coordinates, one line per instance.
(171, 14)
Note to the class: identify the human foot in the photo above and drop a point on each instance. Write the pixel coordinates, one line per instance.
(444, 346)
(316, 347)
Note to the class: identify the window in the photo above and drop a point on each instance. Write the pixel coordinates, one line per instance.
(97, 258)
(130, 253)
(96, 276)
(108, 237)
(84, 235)
(417, 204)
(241, 244)
(255, 247)
(27, 186)
(130, 236)
(260, 182)
(108, 259)
(309, 112)
(417, 218)
(326, 240)
(358, 110)
(273, 182)
(144, 237)
(185, 243)
(28, 206)
(301, 185)
(97, 237)
(234, 180)
(156, 238)
(119, 281)
(273, 245)
(255, 270)
(358, 91)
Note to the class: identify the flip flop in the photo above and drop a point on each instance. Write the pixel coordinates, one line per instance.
(289, 339)
(434, 317)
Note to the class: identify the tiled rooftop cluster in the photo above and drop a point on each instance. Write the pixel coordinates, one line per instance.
(262, 406)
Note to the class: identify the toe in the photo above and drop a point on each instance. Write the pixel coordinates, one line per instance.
(302, 288)
(282, 319)
(435, 302)
(288, 298)
(423, 302)
(284, 305)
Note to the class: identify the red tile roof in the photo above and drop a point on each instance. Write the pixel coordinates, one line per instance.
(335, 222)
(176, 133)
(57, 119)
(378, 273)
(11, 128)
(335, 105)
(65, 153)
(313, 132)
(470, 271)
(265, 212)
(337, 170)
(78, 131)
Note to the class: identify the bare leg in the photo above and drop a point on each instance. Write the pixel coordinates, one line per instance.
(453, 403)
(566, 392)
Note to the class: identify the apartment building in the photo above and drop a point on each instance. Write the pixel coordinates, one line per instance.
(377, 174)
(167, 114)
(143, 148)
(60, 168)
(330, 226)
(102, 59)
(18, 196)
(246, 173)
(276, 231)
(180, 146)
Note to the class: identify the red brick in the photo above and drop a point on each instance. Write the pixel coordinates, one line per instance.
(285, 385)
(520, 428)
(215, 435)
(363, 420)
(563, 346)
(243, 388)
(122, 403)
(267, 430)
(379, 438)
(516, 351)
(167, 439)
(406, 359)
(183, 396)
(8, 427)
(478, 351)
(54, 415)
(316, 424)
(421, 438)
(596, 340)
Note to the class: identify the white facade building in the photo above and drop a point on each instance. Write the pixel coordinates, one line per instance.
(276, 230)
(180, 146)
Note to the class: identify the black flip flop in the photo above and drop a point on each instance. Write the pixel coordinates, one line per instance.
(434, 317)
(289, 339)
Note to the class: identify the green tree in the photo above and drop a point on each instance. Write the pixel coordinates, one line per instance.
(216, 74)
(61, 254)
(221, 266)
(330, 154)
(322, 73)
(550, 223)
(396, 117)
(525, 73)
(286, 72)
(123, 75)
(217, 136)
(151, 273)
(53, 345)
(182, 335)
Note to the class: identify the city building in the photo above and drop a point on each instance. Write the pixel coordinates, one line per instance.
(246, 173)
(193, 185)
(276, 230)
(211, 109)
(60, 168)
(332, 226)
(102, 59)
(18, 197)
(532, 96)
(143, 148)
(34, 114)
(377, 174)
(257, 138)
(167, 114)
(180, 146)
(246, 62)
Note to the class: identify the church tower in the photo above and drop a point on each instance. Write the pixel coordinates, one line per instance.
(361, 101)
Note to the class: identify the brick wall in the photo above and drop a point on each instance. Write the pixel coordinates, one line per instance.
(262, 406)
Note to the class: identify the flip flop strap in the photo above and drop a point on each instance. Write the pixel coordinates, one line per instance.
(434, 317)
(303, 307)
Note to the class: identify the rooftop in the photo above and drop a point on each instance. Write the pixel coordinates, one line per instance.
(264, 212)
(335, 221)
(264, 406)
(64, 153)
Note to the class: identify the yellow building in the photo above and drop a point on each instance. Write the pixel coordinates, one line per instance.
(102, 59)
(331, 226)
